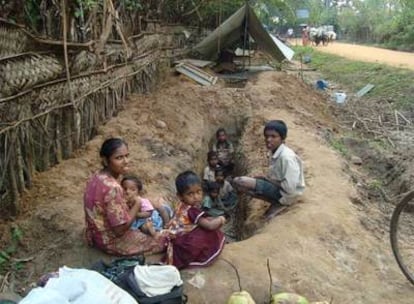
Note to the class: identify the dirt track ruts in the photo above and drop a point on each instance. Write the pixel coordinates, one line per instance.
(370, 54)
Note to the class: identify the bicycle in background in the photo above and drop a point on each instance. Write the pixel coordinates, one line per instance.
(402, 235)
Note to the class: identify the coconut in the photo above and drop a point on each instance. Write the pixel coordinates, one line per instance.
(240, 297)
(288, 298)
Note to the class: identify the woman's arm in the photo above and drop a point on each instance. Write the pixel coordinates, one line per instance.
(121, 229)
(143, 214)
(212, 223)
(140, 214)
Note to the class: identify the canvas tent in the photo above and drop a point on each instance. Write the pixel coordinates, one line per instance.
(233, 29)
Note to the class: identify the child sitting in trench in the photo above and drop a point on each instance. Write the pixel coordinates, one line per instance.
(227, 195)
(225, 151)
(209, 170)
(212, 203)
(196, 239)
(149, 220)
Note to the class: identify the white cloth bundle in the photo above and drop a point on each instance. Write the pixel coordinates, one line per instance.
(155, 280)
(78, 286)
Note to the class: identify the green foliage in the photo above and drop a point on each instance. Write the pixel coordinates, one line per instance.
(87, 4)
(380, 144)
(301, 51)
(132, 5)
(32, 13)
(275, 13)
(375, 184)
(339, 146)
(401, 31)
(83, 7)
(316, 9)
(6, 260)
(213, 11)
(388, 22)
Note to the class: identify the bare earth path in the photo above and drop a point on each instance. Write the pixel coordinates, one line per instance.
(321, 248)
(370, 54)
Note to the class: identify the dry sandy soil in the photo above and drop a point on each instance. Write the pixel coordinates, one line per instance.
(370, 54)
(320, 248)
(366, 53)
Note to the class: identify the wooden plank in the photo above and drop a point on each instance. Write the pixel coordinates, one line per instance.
(196, 74)
(196, 62)
(365, 90)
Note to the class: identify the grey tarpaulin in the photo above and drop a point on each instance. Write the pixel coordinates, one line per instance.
(231, 31)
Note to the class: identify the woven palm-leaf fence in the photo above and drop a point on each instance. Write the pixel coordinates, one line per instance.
(12, 41)
(44, 117)
(24, 71)
(43, 125)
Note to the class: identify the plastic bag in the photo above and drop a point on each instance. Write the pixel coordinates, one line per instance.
(78, 286)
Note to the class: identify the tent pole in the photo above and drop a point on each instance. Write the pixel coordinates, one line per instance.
(248, 47)
(246, 17)
(219, 27)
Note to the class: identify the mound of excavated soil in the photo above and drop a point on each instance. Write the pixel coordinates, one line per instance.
(319, 248)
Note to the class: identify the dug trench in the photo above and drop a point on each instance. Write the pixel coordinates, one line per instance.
(319, 248)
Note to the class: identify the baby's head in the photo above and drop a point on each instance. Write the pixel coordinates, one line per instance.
(132, 185)
(213, 189)
(189, 189)
(212, 159)
(221, 135)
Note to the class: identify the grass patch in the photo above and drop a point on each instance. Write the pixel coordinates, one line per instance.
(339, 146)
(375, 185)
(7, 262)
(394, 84)
(380, 144)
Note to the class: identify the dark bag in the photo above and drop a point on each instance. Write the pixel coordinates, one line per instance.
(175, 296)
(117, 268)
(121, 272)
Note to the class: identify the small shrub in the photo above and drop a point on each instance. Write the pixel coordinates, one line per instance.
(339, 146)
(375, 184)
(6, 255)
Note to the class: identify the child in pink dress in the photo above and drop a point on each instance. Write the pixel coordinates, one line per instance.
(195, 238)
(148, 219)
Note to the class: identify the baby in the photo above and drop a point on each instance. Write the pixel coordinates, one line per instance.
(149, 220)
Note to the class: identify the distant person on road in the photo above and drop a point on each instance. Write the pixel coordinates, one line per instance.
(284, 181)
(305, 36)
(290, 33)
(107, 214)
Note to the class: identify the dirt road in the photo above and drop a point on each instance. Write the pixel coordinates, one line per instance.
(370, 54)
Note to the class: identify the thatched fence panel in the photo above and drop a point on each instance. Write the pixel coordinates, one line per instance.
(45, 117)
(42, 127)
(12, 41)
